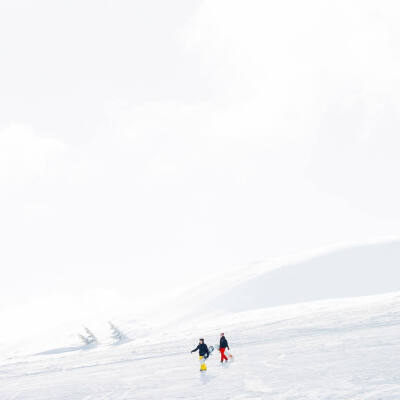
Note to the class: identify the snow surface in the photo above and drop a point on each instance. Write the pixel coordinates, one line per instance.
(344, 348)
(339, 349)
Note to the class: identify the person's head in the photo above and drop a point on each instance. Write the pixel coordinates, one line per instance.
(201, 340)
(222, 334)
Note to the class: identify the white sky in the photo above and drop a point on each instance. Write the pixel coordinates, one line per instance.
(144, 143)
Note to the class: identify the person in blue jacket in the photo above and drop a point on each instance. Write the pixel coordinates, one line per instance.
(203, 354)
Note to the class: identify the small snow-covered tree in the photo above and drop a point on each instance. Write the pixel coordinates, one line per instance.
(84, 339)
(116, 333)
(89, 337)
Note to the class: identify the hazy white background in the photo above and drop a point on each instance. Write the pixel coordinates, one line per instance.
(145, 143)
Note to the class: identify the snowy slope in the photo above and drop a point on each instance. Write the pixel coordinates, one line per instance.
(339, 349)
(349, 272)
(338, 272)
(320, 347)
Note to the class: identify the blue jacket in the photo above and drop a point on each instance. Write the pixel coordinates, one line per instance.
(203, 349)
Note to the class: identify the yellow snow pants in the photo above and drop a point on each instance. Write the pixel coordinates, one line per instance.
(203, 366)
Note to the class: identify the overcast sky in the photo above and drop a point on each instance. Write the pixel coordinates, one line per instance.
(145, 143)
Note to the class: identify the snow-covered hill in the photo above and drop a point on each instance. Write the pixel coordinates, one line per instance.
(297, 331)
(338, 272)
(349, 272)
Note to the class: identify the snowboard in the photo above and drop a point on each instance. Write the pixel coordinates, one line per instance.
(228, 354)
(210, 350)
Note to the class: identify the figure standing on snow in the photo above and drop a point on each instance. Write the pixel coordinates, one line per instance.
(223, 344)
(203, 354)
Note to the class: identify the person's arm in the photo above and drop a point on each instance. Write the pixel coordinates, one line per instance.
(227, 345)
(195, 349)
(208, 352)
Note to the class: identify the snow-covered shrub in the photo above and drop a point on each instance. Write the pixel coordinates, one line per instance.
(116, 333)
(89, 337)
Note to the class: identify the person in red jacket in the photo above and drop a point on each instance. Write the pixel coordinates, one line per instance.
(223, 344)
